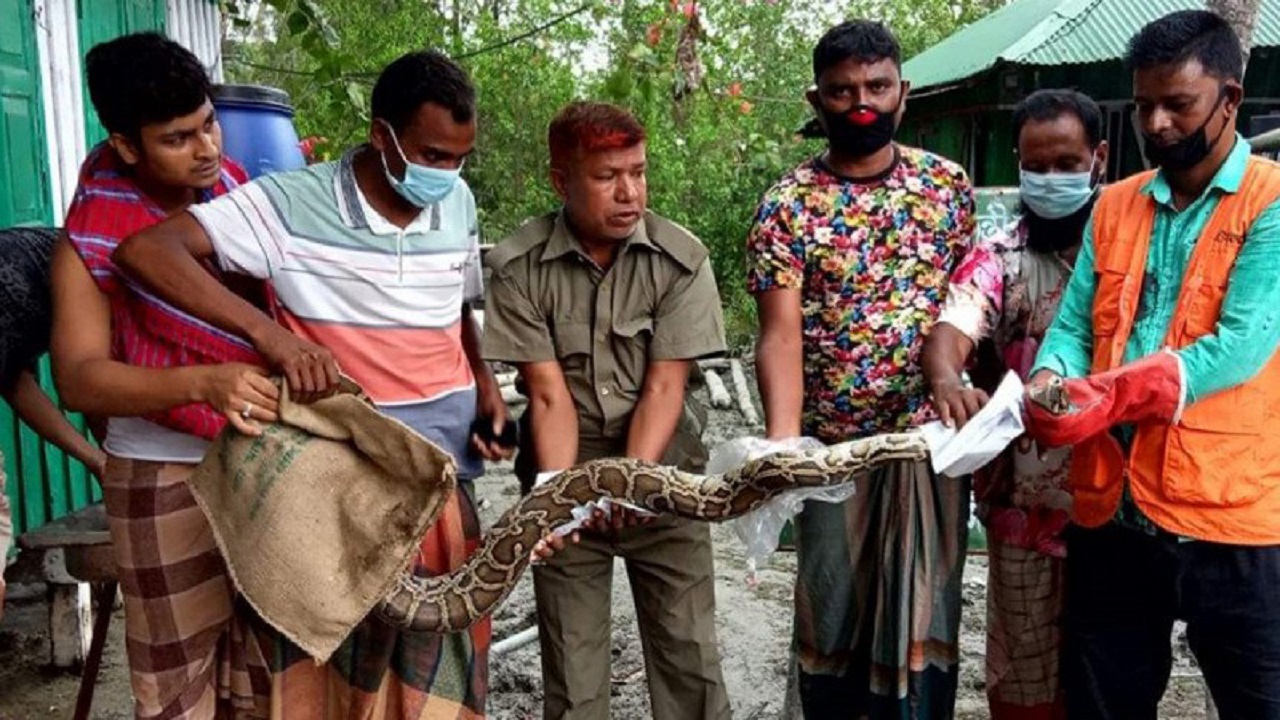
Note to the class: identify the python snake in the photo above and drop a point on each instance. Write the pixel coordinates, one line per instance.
(457, 600)
(1052, 396)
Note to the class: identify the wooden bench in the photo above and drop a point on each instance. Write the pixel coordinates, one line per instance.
(73, 557)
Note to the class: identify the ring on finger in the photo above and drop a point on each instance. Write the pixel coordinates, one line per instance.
(247, 412)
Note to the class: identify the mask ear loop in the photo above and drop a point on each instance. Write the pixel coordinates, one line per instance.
(1222, 96)
(394, 141)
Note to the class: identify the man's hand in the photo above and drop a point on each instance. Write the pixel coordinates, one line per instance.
(98, 464)
(1147, 390)
(957, 403)
(623, 517)
(551, 544)
(491, 408)
(242, 392)
(619, 517)
(310, 369)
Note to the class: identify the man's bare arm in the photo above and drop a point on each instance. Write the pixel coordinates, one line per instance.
(489, 402)
(780, 361)
(657, 414)
(91, 381)
(946, 351)
(35, 408)
(166, 258)
(555, 417)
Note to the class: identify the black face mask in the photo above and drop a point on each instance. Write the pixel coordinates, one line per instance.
(1052, 236)
(1187, 152)
(859, 132)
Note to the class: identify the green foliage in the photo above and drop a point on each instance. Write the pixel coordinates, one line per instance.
(719, 135)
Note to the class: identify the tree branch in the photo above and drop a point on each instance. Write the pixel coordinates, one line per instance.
(369, 74)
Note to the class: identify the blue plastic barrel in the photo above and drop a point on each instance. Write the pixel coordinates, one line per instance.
(257, 128)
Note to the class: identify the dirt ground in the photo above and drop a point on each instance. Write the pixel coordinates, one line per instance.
(754, 629)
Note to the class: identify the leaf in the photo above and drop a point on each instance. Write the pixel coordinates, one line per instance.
(641, 52)
(355, 94)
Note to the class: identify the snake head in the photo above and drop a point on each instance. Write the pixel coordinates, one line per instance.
(1052, 396)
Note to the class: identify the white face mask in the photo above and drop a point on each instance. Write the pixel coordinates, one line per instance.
(422, 185)
(1056, 195)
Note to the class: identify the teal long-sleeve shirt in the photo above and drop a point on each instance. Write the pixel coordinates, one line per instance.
(1248, 329)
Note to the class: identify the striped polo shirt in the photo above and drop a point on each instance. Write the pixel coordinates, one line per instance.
(386, 301)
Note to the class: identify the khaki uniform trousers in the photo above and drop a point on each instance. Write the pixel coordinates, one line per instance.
(669, 566)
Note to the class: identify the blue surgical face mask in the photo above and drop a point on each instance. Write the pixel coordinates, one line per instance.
(422, 185)
(1055, 195)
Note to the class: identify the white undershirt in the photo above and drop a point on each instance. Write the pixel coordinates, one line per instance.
(133, 438)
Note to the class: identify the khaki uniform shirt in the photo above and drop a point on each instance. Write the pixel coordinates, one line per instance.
(547, 300)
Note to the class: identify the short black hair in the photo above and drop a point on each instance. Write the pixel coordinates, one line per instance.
(1046, 105)
(143, 79)
(1187, 35)
(867, 41)
(418, 78)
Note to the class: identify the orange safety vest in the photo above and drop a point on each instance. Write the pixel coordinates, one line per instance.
(1215, 475)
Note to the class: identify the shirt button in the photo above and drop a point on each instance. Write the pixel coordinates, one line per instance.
(604, 337)
(604, 391)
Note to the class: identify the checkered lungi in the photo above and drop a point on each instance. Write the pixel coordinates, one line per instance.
(192, 652)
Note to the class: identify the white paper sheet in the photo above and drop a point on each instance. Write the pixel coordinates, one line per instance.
(582, 513)
(956, 453)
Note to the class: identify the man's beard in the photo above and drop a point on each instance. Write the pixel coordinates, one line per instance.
(1052, 236)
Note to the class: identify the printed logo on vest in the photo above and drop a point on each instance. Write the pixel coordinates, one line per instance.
(1227, 238)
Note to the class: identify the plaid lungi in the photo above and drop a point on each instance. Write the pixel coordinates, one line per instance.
(877, 618)
(191, 650)
(1024, 617)
(385, 673)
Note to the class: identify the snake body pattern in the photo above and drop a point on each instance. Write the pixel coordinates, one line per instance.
(457, 600)
(1052, 396)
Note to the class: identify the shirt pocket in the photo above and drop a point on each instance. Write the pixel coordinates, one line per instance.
(631, 337)
(572, 343)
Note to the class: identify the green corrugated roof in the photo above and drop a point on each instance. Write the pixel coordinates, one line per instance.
(1055, 32)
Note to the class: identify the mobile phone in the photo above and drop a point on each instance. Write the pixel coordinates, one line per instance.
(483, 426)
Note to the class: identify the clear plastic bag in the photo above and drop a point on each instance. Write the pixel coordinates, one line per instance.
(759, 529)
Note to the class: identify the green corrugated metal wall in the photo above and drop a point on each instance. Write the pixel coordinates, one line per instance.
(44, 484)
(973, 124)
(102, 20)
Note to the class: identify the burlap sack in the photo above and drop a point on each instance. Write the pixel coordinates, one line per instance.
(318, 515)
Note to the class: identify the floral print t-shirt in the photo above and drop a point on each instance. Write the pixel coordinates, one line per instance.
(872, 258)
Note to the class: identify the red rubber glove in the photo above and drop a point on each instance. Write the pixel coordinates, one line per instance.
(1149, 390)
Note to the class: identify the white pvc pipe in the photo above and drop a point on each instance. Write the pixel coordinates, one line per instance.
(514, 642)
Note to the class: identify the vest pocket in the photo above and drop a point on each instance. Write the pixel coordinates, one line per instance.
(1107, 298)
(1203, 309)
(1212, 455)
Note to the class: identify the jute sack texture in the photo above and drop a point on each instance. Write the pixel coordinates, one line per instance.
(318, 516)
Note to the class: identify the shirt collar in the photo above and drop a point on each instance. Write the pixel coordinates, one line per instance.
(1227, 180)
(563, 242)
(359, 214)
